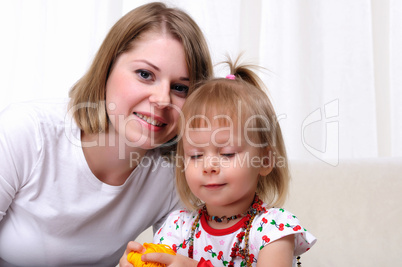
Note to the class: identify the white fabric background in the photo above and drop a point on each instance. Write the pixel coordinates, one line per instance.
(335, 67)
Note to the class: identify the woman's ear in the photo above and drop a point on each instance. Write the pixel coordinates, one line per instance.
(267, 161)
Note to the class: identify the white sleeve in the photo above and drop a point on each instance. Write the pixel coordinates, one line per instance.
(20, 149)
(169, 233)
(277, 223)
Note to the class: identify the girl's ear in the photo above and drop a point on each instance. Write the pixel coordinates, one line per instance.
(267, 161)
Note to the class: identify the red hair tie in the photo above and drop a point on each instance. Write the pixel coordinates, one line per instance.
(230, 77)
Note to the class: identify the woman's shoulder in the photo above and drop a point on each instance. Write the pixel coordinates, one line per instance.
(34, 112)
(28, 121)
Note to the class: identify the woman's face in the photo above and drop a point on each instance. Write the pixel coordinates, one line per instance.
(146, 90)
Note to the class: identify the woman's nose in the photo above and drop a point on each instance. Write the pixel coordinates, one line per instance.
(211, 165)
(160, 96)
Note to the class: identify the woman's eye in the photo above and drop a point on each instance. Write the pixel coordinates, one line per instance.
(146, 75)
(180, 89)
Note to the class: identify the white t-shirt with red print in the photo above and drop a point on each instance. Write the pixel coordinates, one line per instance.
(215, 245)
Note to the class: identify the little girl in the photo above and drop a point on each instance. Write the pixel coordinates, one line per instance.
(232, 173)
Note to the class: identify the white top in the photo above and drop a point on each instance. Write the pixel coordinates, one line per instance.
(53, 210)
(215, 245)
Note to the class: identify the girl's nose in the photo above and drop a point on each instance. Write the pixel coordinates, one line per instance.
(211, 165)
(160, 97)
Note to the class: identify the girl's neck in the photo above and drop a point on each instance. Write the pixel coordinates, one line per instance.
(109, 158)
(238, 208)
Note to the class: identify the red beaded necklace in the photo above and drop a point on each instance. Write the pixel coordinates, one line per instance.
(255, 209)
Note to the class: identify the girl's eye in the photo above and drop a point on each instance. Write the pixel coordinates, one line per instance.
(228, 155)
(180, 90)
(196, 156)
(146, 75)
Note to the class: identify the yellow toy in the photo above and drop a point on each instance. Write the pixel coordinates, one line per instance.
(135, 257)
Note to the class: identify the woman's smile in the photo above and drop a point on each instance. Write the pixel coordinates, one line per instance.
(150, 120)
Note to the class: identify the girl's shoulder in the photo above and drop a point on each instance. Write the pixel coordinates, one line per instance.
(177, 224)
(278, 219)
(278, 213)
(181, 214)
(276, 223)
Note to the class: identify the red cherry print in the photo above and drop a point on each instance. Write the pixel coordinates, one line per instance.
(251, 257)
(209, 247)
(296, 228)
(266, 239)
(197, 235)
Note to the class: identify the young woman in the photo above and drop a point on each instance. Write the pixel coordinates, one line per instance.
(79, 179)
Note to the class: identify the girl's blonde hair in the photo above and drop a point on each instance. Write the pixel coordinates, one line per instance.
(240, 99)
(88, 94)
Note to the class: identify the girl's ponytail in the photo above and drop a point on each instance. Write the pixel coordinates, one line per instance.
(245, 73)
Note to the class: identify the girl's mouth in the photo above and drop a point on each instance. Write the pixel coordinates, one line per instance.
(149, 120)
(214, 186)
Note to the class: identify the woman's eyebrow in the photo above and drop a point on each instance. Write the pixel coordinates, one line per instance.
(147, 62)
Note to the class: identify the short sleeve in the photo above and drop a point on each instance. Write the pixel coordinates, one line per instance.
(175, 231)
(277, 223)
(20, 148)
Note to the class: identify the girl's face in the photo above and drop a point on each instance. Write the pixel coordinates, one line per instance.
(222, 168)
(146, 90)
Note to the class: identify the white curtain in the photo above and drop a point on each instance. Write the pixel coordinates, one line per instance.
(334, 68)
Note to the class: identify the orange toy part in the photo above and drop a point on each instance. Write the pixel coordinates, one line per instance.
(135, 257)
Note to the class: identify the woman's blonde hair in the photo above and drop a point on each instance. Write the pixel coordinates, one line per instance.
(88, 94)
(240, 100)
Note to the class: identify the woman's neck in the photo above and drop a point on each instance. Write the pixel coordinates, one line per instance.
(109, 158)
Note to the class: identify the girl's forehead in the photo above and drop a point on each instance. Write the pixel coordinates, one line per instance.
(211, 118)
(223, 129)
(216, 135)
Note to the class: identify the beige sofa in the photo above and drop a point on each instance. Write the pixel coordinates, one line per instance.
(354, 210)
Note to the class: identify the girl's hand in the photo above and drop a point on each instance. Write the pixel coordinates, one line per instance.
(131, 246)
(170, 260)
